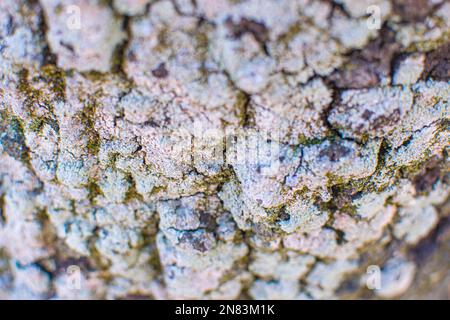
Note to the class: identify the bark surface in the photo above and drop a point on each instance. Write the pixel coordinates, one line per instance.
(224, 149)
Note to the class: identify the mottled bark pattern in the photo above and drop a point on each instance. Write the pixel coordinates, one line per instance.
(224, 149)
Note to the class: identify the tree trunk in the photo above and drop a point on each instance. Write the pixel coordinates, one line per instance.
(224, 149)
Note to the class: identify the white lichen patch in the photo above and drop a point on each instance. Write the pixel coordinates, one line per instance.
(373, 112)
(72, 37)
(303, 217)
(131, 7)
(409, 70)
(415, 223)
(324, 279)
(330, 163)
(292, 112)
(396, 276)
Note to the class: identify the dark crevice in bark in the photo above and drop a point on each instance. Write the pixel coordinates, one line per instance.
(119, 55)
(3, 220)
(428, 246)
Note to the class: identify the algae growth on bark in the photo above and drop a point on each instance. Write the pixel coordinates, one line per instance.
(224, 149)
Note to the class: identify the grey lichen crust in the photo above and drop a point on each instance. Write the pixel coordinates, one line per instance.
(137, 144)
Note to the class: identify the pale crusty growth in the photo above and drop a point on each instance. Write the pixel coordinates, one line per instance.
(223, 149)
(83, 34)
(131, 7)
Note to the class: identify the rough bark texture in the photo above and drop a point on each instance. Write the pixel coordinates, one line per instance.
(230, 149)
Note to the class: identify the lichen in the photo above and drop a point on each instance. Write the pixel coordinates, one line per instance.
(237, 149)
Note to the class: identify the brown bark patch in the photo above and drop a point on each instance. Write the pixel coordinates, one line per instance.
(334, 152)
(257, 29)
(366, 67)
(412, 10)
(437, 63)
(160, 71)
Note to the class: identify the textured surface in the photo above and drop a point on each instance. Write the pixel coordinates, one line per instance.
(229, 149)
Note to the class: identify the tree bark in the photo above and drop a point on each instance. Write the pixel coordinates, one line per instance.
(224, 149)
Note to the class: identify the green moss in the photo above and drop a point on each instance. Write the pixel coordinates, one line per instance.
(36, 124)
(241, 105)
(52, 76)
(305, 141)
(93, 145)
(132, 192)
(333, 179)
(158, 189)
(238, 266)
(94, 191)
(215, 180)
(201, 44)
(35, 99)
(155, 262)
(22, 85)
(428, 45)
(32, 96)
(201, 49)
(87, 117)
(276, 214)
(55, 78)
(163, 42)
(95, 76)
(294, 29)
